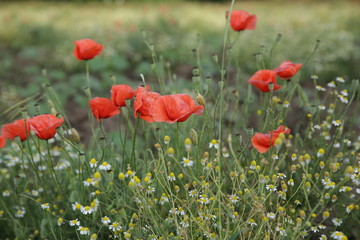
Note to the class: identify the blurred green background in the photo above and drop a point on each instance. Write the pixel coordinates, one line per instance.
(40, 35)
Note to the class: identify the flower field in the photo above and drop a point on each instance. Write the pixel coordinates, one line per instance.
(245, 144)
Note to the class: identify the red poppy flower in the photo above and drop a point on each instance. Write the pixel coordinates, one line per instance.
(287, 69)
(2, 141)
(144, 102)
(103, 108)
(262, 78)
(45, 125)
(175, 108)
(18, 128)
(87, 49)
(262, 142)
(119, 93)
(241, 20)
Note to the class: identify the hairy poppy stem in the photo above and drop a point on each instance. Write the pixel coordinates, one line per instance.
(132, 159)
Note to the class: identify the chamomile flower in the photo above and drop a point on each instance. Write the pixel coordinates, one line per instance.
(271, 188)
(187, 162)
(84, 230)
(331, 84)
(271, 215)
(214, 144)
(320, 88)
(252, 222)
(337, 221)
(115, 226)
(336, 123)
(86, 210)
(93, 163)
(20, 213)
(166, 140)
(234, 198)
(340, 79)
(74, 222)
(344, 93)
(60, 221)
(105, 220)
(337, 235)
(105, 166)
(76, 206)
(171, 177)
(6, 193)
(45, 206)
(323, 237)
(89, 182)
(281, 231)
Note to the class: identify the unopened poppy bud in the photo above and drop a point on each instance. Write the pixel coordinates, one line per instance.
(249, 131)
(216, 58)
(193, 136)
(196, 71)
(75, 135)
(53, 111)
(200, 100)
(87, 92)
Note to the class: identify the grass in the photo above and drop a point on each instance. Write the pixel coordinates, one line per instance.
(203, 178)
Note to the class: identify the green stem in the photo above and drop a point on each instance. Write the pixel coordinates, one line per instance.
(132, 159)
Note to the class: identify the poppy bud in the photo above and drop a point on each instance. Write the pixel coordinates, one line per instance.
(75, 135)
(87, 49)
(200, 100)
(193, 136)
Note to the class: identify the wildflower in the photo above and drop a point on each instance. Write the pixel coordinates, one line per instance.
(281, 231)
(86, 210)
(88, 182)
(84, 230)
(314, 229)
(93, 236)
(340, 79)
(349, 208)
(293, 157)
(287, 69)
(241, 20)
(281, 175)
(171, 177)
(343, 99)
(291, 182)
(2, 141)
(105, 220)
(187, 162)
(86, 49)
(314, 77)
(6, 193)
(127, 235)
(234, 198)
(214, 144)
(337, 235)
(175, 108)
(45, 206)
(45, 125)
(337, 221)
(320, 88)
(344, 93)
(103, 108)
(60, 221)
(336, 123)
(262, 142)
(20, 213)
(297, 202)
(166, 140)
(75, 222)
(19, 128)
(163, 199)
(150, 190)
(331, 84)
(93, 163)
(271, 215)
(76, 206)
(320, 152)
(322, 107)
(105, 166)
(170, 151)
(252, 222)
(263, 78)
(120, 93)
(271, 188)
(322, 226)
(144, 102)
(203, 199)
(323, 237)
(115, 226)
